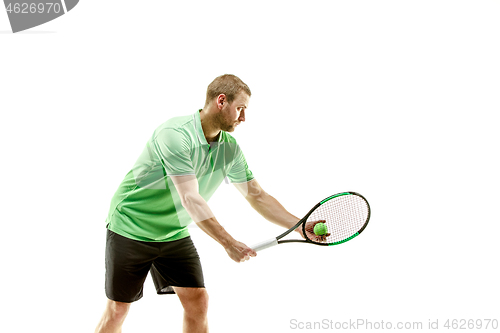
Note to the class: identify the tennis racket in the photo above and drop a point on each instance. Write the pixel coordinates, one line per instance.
(345, 215)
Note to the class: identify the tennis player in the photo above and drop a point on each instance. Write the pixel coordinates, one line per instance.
(183, 163)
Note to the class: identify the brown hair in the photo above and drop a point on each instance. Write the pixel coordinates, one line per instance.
(227, 84)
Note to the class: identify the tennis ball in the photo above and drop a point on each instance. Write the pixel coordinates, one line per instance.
(320, 229)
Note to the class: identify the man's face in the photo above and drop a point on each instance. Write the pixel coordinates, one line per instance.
(233, 114)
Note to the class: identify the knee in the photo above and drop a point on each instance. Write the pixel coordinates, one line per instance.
(203, 302)
(198, 303)
(117, 310)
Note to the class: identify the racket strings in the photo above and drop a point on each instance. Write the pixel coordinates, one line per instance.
(344, 216)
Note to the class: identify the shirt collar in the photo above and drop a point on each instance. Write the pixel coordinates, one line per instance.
(199, 129)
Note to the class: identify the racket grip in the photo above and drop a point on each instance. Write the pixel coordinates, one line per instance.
(265, 245)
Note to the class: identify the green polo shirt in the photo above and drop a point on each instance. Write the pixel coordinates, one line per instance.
(146, 206)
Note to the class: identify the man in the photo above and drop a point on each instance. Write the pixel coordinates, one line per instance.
(182, 165)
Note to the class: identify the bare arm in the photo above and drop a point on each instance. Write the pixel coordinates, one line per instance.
(267, 206)
(200, 212)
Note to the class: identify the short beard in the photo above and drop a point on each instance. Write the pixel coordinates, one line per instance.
(222, 123)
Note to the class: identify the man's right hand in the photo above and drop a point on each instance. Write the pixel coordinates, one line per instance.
(239, 252)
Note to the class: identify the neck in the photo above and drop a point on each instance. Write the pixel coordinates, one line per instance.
(210, 129)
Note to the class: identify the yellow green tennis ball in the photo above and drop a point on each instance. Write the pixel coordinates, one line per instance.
(320, 229)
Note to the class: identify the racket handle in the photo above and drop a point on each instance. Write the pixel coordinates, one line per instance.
(265, 245)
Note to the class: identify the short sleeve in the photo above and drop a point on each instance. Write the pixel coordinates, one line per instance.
(239, 172)
(173, 148)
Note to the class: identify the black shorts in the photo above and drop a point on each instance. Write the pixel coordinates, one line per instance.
(172, 264)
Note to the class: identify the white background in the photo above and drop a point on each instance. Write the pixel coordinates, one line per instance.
(397, 100)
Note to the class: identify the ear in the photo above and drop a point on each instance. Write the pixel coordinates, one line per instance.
(221, 100)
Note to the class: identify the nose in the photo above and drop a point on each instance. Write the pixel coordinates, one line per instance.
(242, 116)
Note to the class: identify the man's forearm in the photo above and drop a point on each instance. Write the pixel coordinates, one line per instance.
(212, 228)
(202, 215)
(273, 211)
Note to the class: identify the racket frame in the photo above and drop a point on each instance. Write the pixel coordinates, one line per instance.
(277, 240)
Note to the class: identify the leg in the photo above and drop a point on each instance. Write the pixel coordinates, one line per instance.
(195, 303)
(127, 265)
(113, 317)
